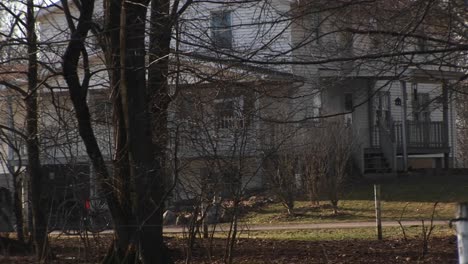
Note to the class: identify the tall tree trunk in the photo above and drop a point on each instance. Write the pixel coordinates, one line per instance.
(120, 180)
(78, 94)
(140, 112)
(38, 198)
(156, 106)
(146, 149)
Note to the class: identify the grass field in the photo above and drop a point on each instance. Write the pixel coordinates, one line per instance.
(408, 198)
(412, 232)
(330, 234)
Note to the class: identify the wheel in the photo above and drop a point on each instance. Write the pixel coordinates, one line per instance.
(98, 223)
(98, 218)
(69, 218)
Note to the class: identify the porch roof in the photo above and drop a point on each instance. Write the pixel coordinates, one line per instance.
(410, 74)
(431, 76)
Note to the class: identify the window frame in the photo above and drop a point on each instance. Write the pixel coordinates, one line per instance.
(222, 35)
(348, 105)
(237, 112)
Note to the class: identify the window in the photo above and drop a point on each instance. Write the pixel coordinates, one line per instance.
(347, 41)
(102, 111)
(229, 112)
(231, 179)
(221, 29)
(382, 105)
(414, 87)
(375, 40)
(422, 44)
(98, 26)
(423, 116)
(316, 26)
(348, 102)
(421, 110)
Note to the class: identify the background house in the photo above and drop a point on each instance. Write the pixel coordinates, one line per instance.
(341, 57)
(253, 78)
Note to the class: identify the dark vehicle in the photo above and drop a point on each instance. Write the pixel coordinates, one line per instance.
(6, 211)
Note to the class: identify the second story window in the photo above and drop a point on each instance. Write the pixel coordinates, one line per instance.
(347, 42)
(316, 23)
(221, 29)
(102, 112)
(348, 102)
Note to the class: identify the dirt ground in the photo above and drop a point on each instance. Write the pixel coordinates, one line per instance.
(255, 251)
(441, 251)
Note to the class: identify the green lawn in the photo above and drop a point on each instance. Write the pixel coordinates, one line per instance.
(345, 233)
(350, 211)
(363, 233)
(411, 198)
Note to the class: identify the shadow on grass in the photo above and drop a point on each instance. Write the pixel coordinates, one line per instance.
(415, 187)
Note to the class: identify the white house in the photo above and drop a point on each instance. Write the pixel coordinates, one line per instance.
(343, 61)
(255, 72)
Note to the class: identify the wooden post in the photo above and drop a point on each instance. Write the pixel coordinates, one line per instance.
(462, 233)
(378, 212)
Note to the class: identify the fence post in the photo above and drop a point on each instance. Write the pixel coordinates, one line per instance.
(462, 233)
(378, 213)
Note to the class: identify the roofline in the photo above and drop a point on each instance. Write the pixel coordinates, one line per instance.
(244, 66)
(43, 11)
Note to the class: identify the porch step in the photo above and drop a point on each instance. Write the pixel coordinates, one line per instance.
(376, 163)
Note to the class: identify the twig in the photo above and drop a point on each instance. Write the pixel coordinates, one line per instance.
(403, 230)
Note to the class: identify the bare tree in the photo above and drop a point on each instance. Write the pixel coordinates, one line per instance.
(326, 42)
(328, 161)
(29, 42)
(283, 178)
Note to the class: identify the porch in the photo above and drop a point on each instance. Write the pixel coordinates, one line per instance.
(422, 137)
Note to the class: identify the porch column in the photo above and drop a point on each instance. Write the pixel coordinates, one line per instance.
(370, 111)
(403, 126)
(445, 122)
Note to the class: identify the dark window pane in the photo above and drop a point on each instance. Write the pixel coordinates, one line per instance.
(221, 31)
(348, 102)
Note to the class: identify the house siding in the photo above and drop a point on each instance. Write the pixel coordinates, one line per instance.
(257, 30)
(258, 33)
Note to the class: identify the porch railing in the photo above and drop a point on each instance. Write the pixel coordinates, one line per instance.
(422, 134)
(230, 122)
(428, 134)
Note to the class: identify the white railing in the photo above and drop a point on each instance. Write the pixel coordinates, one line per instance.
(230, 122)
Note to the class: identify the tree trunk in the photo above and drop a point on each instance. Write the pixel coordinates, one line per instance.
(136, 193)
(78, 92)
(38, 198)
